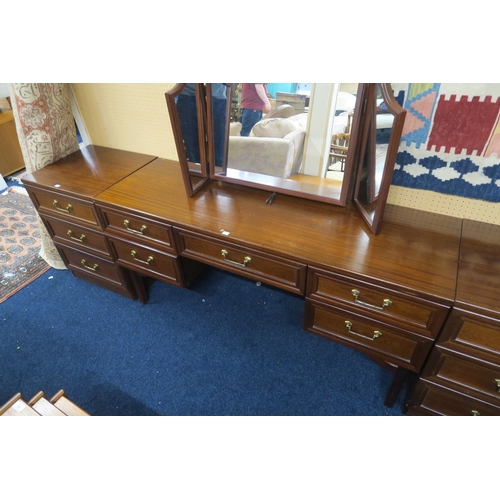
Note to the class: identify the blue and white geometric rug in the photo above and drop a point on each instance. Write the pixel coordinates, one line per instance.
(451, 139)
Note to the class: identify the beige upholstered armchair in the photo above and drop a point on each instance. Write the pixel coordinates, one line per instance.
(275, 147)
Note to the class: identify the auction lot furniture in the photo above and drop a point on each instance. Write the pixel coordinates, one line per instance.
(386, 295)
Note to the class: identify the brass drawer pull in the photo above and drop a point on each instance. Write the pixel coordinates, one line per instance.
(497, 383)
(148, 261)
(246, 260)
(376, 333)
(385, 302)
(67, 209)
(140, 231)
(81, 239)
(91, 268)
(475, 413)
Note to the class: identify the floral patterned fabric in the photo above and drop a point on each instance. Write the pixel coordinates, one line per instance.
(47, 133)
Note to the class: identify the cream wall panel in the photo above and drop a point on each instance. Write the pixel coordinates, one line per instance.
(455, 206)
(129, 116)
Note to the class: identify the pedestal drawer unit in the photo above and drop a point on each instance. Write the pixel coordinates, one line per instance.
(104, 273)
(387, 325)
(146, 246)
(63, 194)
(462, 374)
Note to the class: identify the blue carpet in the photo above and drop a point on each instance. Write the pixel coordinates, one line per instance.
(223, 347)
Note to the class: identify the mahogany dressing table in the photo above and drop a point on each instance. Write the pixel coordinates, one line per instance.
(119, 219)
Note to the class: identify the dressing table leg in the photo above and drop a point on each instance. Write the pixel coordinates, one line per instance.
(140, 287)
(396, 385)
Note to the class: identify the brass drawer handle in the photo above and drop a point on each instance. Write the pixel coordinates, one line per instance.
(67, 209)
(385, 302)
(376, 333)
(475, 413)
(148, 261)
(497, 383)
(91, 268)
(246, 260)
(140, 231)
(81, 239)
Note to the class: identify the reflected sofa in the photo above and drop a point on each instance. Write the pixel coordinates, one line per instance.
(275, 146)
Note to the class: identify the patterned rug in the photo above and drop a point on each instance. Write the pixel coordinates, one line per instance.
(451, 139)
(19, 243)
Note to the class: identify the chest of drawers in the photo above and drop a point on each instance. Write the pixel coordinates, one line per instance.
(462, 374)
(63, 194)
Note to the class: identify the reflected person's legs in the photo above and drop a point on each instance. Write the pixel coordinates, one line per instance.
(249, 117)
(219, 111)
(186, 108)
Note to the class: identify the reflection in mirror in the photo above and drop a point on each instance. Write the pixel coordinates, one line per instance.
(384, 127)
(303, 146)
(187, 109)
(218, 113)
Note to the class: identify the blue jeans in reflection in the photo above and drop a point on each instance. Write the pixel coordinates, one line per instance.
(219, 124)
(186, 108)
(249, 117)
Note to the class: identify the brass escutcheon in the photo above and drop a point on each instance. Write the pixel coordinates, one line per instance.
(385, 302)
(81, 239)
(376, 333)
(141, 230)
(67, 209)
(91, 268)
(150, 259)
(246, 260)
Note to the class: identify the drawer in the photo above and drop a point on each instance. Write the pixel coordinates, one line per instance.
(149, 261)
(464, 373)
(63, 206)
(469, 332)
(138, 228)
(392, 307)
(374, 338)
(253, 264)
(77, 236)
(98, 271)
(430, 399)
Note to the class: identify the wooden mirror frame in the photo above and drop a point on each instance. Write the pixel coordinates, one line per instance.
(193, 179)
(283, 186)
(370, 204)
(360, 171)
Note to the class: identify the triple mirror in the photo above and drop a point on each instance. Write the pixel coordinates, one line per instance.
(315, 141)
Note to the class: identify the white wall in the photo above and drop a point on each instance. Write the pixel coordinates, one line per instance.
(4, 90)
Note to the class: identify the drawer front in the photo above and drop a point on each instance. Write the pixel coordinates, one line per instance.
(387, 305)
(465, 330)
(148, 261)
(139, 228)
(253, 264)
(430, 399)
(66, 207)
(77, 236)
(91, 265)
(470, 375)
(372, 337)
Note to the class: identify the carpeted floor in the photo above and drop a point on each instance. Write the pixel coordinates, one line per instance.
(224, 347)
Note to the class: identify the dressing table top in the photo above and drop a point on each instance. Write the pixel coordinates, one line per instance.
(420, 260)
(479, 267)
